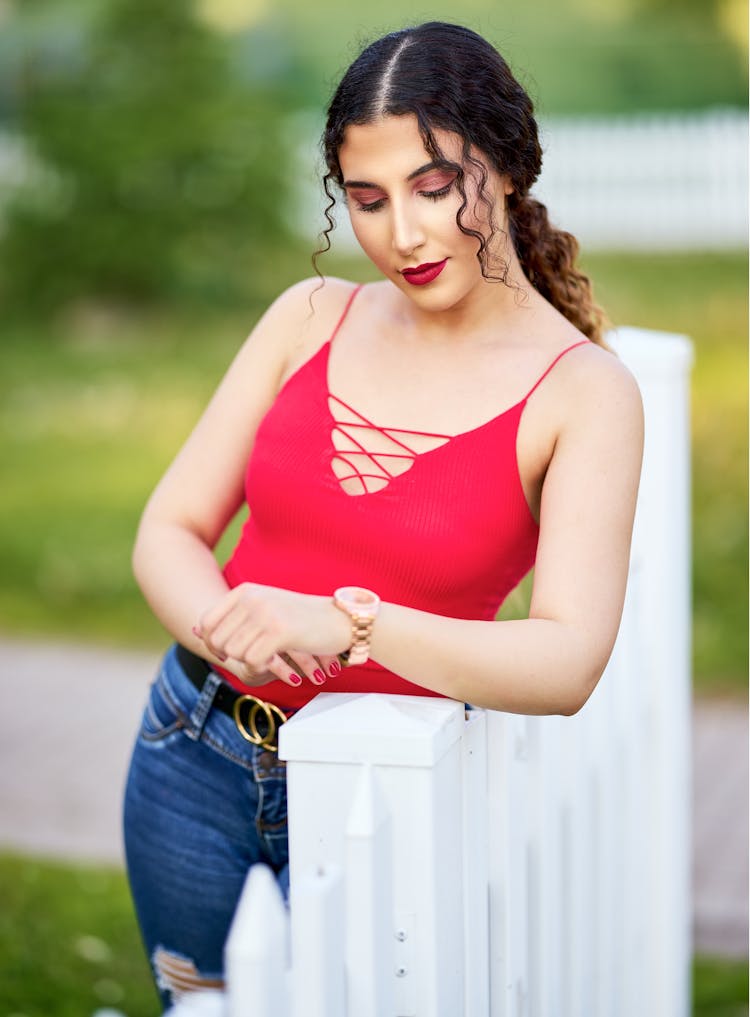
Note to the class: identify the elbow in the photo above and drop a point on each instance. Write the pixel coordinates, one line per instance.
(580, 691)
(148, 538)
(575, 702)
(138, 556)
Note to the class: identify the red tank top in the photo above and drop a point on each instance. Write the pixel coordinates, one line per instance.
(452, 535)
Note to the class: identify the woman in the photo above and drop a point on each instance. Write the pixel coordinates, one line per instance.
(425, 439)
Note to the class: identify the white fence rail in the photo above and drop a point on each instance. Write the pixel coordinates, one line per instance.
(477, 864)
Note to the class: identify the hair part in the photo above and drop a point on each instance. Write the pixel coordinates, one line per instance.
(452, 79)
(384, 91)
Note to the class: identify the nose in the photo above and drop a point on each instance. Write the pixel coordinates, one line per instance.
(406, 228)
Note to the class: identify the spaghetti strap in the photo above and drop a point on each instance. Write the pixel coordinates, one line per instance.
(559, 356)
(344, 313)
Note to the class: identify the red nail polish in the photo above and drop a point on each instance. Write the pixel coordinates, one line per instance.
(318, 676)
(294, 678)
(335, 668)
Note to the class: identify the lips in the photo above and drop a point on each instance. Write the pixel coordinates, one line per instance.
(423, 274)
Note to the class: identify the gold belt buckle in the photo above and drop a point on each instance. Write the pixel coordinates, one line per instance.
(251, 732)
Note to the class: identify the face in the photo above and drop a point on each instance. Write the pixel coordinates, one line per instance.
(403, 208)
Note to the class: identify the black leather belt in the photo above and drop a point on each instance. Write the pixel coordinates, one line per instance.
(257, 721)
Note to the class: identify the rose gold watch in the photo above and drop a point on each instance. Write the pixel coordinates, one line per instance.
(362, 607)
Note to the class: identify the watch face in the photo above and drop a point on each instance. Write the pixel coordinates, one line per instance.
(357, 600)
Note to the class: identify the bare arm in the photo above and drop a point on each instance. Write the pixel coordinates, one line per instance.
(548, 663)
(201, 491)
(551, 662)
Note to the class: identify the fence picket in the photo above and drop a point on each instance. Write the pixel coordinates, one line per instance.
(256, 954)
(474, 824)
(369, 902)
(509, 875)
(318, 944)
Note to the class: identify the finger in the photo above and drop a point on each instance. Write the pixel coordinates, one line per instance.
(279, 668)
(256, 679)
(331, 665)
(308, 666)
(250, 645)
(234, 634)
(246, 675)
(210, 620)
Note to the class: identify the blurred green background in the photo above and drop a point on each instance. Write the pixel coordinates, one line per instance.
(147, 171)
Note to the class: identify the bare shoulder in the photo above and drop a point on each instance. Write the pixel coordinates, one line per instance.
(312, 297)
(302, 318)
(602, 390)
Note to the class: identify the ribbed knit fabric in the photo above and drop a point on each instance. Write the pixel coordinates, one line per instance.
(453, 535)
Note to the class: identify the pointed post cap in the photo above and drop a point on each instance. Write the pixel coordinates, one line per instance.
(388, 730)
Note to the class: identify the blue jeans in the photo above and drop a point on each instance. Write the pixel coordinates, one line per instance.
(202, 804)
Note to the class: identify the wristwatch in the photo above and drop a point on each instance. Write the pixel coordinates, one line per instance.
(362, 607)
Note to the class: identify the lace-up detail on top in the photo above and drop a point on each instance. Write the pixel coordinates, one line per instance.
(367, 456)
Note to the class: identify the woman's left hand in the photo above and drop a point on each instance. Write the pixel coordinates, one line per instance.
(254, 625)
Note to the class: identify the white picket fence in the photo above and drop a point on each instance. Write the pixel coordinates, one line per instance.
(447, 863)
(650, 181)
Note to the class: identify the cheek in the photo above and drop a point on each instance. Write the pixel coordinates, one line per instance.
(469, 220)
(370, 236)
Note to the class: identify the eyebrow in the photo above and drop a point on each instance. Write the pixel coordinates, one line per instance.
(435, 164)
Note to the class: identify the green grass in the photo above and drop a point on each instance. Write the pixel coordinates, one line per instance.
(720, 987)
(69, 945)
(93, 407)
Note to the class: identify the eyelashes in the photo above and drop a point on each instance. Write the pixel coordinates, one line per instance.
(374, 206)
(437, 195)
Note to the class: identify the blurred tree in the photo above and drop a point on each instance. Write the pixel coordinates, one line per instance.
(156, 167)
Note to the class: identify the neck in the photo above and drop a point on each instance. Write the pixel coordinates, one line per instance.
(483, 311)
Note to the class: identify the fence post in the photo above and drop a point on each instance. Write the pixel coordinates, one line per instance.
(661, 362)
(414, 747)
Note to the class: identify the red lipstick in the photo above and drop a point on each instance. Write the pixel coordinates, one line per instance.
(423, 274)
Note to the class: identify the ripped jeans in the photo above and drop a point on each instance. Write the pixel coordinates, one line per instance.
(202, 805)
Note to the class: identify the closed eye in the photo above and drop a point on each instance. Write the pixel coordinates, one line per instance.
(440, 193)
(436, 195)
(370, 206)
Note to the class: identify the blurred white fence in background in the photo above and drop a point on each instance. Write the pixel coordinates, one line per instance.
(646, 181)
(478, 864)
(661, 182)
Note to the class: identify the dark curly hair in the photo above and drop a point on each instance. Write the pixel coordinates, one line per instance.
(449, 77)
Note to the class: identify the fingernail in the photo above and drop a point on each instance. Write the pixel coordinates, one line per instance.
(222, 656)
(294, 679)
(334, 667)
(197, 632)
(318, 677)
